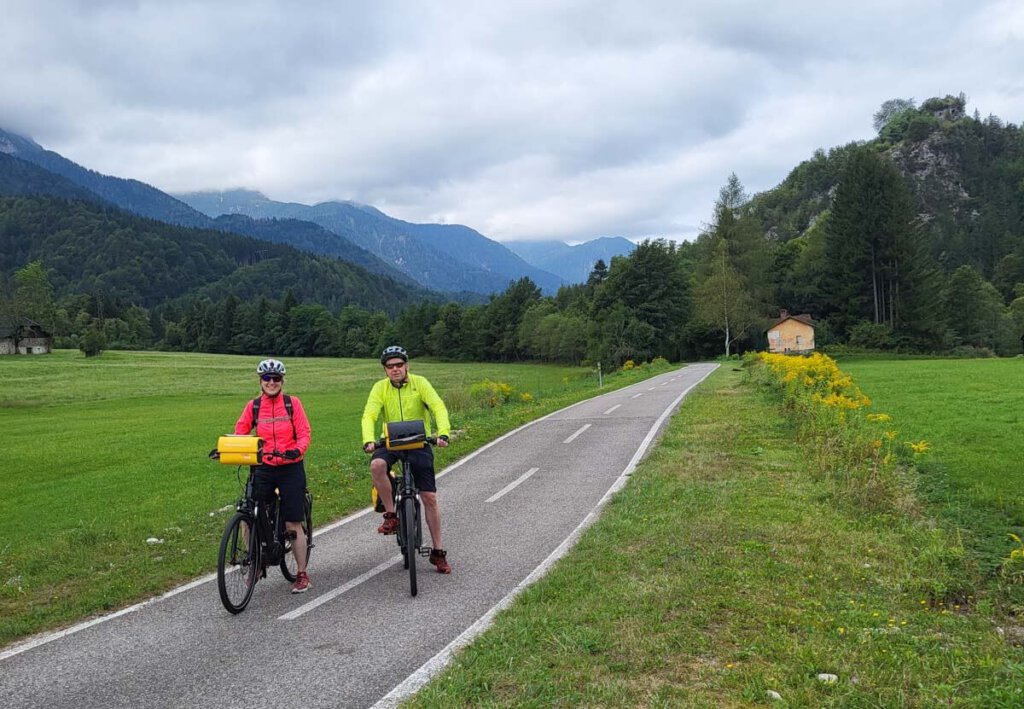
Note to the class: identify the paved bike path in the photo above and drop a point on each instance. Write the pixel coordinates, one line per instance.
(357, 638)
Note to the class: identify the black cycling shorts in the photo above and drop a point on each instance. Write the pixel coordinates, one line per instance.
(290, 479)
(422, 460)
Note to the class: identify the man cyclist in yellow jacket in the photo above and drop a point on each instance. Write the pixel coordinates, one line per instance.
(406, 397)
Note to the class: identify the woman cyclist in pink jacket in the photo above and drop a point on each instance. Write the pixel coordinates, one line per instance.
(281, 422)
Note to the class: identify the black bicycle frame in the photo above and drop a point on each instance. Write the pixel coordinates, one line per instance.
(407, 490)
(272, 546)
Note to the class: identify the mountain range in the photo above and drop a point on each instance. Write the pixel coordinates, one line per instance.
(572, 263)
(446, 258)
(438, 256)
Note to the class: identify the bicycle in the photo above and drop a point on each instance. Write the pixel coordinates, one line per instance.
(406, 498)
(254, 539)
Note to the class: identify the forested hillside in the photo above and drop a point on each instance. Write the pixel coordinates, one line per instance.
(912, 242)
(132, 195)
(100, 267)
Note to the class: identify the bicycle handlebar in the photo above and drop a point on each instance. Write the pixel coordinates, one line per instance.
(290, 454)
(382, 442)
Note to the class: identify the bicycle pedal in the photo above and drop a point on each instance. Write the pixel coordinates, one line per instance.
(424, 551)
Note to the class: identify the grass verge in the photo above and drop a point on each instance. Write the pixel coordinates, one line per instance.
(726, 571)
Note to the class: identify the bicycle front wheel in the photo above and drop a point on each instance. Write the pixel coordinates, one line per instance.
(409, 535)
(238, 564)
(289, 564)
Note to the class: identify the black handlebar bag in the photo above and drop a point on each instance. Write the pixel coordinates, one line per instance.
(405, 435)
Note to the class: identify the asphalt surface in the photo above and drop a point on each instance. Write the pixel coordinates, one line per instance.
(357, 638)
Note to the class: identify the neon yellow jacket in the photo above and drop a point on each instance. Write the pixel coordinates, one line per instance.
(413, 401)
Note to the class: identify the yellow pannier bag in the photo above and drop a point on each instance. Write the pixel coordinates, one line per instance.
(405, 435)
(240, 450)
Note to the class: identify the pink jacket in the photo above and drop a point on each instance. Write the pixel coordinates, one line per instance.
(275, 429)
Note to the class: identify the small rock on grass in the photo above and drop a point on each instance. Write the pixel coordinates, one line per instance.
(827, 678)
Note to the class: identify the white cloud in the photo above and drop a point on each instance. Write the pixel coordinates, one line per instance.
(532, 119)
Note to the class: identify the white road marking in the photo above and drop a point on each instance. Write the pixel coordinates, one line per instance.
(612, 409)
(50, 637)
(331, 595)
(438, 662)
(511, 486)
(637, 396)
(572, 438)
(45, 638)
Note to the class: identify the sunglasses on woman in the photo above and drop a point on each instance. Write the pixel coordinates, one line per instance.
(271, 377)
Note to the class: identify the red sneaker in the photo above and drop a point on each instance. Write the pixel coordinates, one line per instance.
(438, 559)
(301, 583)
(390, 525)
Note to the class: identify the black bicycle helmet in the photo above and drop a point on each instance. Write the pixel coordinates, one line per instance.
(270, 366)
(392, 352)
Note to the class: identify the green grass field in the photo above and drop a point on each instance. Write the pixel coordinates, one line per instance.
(970, 412)
(105, 453)
(726, 571)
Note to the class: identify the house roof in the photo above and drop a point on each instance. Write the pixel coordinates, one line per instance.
(26, 324)
(805, 318)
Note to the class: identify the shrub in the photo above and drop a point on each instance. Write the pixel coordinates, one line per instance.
(871, 335)
(628, 365)
(489, 394)
(859, 450)
(971, 352)
(93, 342)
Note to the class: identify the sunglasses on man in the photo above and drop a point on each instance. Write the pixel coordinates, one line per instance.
(394, 365)
(271, 377)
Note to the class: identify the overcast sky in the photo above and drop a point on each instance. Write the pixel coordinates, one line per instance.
(524, 120)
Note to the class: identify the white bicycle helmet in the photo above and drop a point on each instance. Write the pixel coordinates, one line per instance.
(392, 352)
(270, 366)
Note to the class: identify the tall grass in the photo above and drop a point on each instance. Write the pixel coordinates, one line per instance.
(860, 448)
(970, 411)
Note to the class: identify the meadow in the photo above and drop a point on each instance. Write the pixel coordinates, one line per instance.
(731, 573)
(970, 412)
(103, 454)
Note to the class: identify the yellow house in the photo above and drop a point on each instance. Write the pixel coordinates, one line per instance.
(791, 334)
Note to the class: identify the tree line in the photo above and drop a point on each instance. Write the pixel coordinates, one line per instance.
(880, 257)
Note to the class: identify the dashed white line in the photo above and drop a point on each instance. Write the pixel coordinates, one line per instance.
(612, 409)
(511, 486)
(438, 662)
(572, 438)
(331, 595)
(636, 396)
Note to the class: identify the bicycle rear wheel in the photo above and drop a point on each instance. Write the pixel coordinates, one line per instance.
(238, 563)
(289, 564)
(409, 535)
